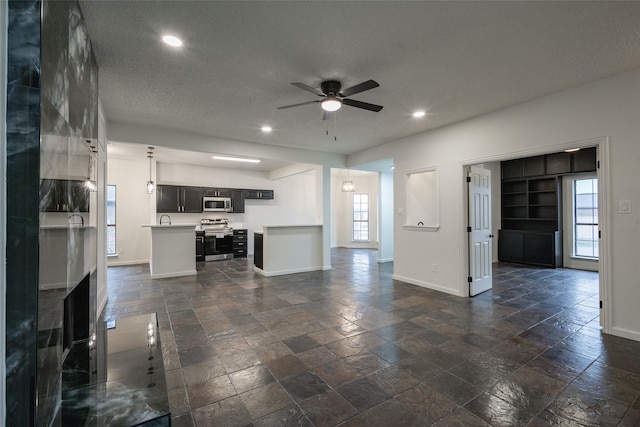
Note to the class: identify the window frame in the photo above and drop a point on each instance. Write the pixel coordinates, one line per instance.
(355, 221)
(574, 220)
(111, 225)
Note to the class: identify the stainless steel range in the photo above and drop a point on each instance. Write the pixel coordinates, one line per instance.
(218, 239)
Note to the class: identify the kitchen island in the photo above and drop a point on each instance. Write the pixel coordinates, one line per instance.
(173, 250)
(288, 249)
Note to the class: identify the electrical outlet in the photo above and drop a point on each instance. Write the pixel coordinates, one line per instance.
(434, 268)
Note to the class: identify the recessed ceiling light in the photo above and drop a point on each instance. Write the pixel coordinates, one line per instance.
(418, 114)
(236, 159)
(267, 129)
(172, 41)
(571, 150)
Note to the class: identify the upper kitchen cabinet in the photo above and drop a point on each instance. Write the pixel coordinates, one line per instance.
(217, 192)
(237, 201)
(174, 199)
(258, 194)
(61, 195)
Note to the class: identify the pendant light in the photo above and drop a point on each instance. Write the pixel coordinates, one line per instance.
(91, 183)
(150, 184)
(347, 186)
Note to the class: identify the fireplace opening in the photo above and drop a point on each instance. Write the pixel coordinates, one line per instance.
(76, 314)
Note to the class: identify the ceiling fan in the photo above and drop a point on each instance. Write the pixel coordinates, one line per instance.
(333, 96)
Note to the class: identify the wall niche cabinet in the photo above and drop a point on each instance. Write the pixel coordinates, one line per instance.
(532, 206)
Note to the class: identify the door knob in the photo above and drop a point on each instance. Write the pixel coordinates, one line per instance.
(491, 236)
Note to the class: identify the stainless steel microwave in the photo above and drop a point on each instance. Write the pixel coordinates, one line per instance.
(216, 204)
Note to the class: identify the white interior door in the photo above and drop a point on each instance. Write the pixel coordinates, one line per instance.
(479, 230)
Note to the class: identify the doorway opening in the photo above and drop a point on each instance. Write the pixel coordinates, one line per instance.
(582, 216)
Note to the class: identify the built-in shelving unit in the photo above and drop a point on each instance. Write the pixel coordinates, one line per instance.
(532, 206)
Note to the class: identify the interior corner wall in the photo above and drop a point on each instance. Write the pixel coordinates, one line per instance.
(385, 224)
(603, 109)
(133, 243)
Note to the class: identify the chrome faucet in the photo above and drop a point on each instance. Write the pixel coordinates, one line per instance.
(79, 216)
(162, 216)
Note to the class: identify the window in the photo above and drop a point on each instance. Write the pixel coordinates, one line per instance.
(585, 218)
(111, 220)
(360, 217)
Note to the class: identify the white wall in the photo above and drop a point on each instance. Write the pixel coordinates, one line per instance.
(385, 225)
(133, 209)
(607, 108)
(294, 201)
(100, 196)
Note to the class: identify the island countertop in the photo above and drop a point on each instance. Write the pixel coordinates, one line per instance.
(170, 225)
(173, 251)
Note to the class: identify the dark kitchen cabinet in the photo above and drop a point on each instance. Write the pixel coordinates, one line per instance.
(199, 245)
(258, 194)
(237, 201)
(216, 192)
(174, 199)
(240, 243)
(258, 260)
(61, 195)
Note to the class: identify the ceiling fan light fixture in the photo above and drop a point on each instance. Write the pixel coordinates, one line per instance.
(331, 103)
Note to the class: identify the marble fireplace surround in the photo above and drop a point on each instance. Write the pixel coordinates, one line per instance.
(52, 117)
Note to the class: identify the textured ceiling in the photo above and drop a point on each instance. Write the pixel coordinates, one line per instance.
(455, 60)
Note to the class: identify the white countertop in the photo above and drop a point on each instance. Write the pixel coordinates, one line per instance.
(66, 227)
(170, 225)
(291, 225)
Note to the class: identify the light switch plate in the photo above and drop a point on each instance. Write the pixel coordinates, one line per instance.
(624, 206)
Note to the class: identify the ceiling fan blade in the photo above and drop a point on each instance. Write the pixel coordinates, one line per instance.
(328, 115)
(297, 105)
(308, 88)
(369, 84)
(360, 104)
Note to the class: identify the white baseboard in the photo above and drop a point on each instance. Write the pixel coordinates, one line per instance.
(121, 263)
(625, 333)
(428, 285)
(291, 271)
(383, 260)
(174, 274)
(53, 286)
(327, 267)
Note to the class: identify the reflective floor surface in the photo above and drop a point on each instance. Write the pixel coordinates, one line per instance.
(353, 347)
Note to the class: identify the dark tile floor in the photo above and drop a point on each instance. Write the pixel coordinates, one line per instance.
(353, 347)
